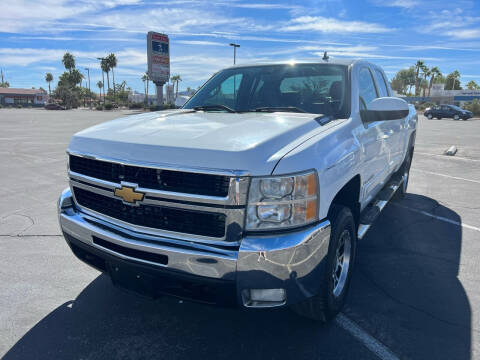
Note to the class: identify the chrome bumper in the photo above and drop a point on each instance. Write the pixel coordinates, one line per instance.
(291, 261)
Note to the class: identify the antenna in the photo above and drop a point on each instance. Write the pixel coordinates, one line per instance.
(325, 56)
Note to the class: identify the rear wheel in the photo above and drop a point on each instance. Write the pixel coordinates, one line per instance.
(335, 281)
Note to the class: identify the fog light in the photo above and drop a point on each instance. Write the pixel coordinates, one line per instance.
(264, 297)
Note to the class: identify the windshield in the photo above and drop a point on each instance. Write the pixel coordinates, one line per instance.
(311, 88)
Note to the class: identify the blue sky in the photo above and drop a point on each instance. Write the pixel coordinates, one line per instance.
(393, 33)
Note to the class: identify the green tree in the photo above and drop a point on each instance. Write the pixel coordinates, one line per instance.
(418, 67)
(472, 85)
(426, 73)
(453, 81)
(404, 80)
(100, 86)
(105, 65)
(434, 73)
(49, 79)
(112, 63)
(4, 84)
(68, 61)
(145, 80)
(175, 80)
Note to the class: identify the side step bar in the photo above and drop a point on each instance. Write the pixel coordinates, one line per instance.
(371, 212)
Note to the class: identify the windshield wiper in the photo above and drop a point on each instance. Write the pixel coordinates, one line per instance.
(279, 109)
(214, 107)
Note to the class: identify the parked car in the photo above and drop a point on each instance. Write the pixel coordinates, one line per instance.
(253, 194)
(447, 111)
(54, 106)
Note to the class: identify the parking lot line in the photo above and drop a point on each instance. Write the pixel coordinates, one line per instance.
(446, 157)
(441, 218)
(448, 176)
(365, 338)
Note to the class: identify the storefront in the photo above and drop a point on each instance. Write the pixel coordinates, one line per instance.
(25, 97)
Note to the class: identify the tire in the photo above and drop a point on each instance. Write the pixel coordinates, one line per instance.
(439, 118)
(335, 280)
(405, 172)
(430, 116)
(456, 117)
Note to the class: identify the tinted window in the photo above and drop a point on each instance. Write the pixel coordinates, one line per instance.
(313, 88)
(445, 108)
(366, 87)
(382, 86)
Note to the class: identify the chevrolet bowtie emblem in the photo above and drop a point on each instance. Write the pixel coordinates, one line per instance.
(129, 195)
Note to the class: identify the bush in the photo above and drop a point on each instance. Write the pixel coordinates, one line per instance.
(99, 107)
(474, 107)
(1, 106)
(135, 105)
(19, 106)
(108, 106)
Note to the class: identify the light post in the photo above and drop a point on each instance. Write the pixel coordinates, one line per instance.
(89, 91)
(235, 46)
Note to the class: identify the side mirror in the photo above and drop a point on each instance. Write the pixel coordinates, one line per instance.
(385, 108)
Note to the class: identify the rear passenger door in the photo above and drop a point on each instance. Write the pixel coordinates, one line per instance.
(372, 140)
(394, 136)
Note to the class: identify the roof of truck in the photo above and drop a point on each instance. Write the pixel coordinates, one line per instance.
(345, 62)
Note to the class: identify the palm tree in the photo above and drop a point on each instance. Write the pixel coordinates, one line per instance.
(176, 79)
(68, 61)
(112, 63)
(455, 76)
(49, 79)
(100, 86)
(472, 85)
(418, 66)
(145, 87)
(434, 72)
(105, 65)
(426, 73)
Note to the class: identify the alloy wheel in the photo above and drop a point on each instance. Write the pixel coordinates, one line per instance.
(342, 262)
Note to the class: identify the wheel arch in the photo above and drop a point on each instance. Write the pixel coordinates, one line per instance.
(349, 196)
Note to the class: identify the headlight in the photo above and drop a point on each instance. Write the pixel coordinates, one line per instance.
(279, 202)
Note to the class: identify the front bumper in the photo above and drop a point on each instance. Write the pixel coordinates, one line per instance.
(153, 265)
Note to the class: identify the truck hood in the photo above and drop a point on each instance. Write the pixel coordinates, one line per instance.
(251, 142)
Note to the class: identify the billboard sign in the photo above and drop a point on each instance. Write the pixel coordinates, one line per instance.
(158, 55)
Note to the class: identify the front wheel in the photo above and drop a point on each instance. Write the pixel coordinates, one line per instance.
(335, 281)
(405, 173)
(456, 117)
(430, 116)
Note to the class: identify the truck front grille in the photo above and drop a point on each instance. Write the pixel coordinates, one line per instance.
(157, 217)
(158, 179)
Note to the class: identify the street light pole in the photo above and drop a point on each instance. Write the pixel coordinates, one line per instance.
(89, 91)
(235, 46)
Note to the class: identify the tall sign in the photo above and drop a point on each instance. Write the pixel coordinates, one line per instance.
(158, 57)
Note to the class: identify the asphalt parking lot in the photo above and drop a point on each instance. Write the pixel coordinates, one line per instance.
(414, 294)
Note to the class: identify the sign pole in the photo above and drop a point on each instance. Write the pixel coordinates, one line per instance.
(159, 93)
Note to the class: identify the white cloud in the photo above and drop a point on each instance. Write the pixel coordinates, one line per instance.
(200, 42)
(464, 33)
(408, 4)
(332, 25)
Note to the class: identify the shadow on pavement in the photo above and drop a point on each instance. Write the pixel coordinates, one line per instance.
(405, 290)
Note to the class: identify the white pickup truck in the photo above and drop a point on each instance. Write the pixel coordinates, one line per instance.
(253, 194)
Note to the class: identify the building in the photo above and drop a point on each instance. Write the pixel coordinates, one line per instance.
(439, 95)
(24, 97)
(139, 98)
